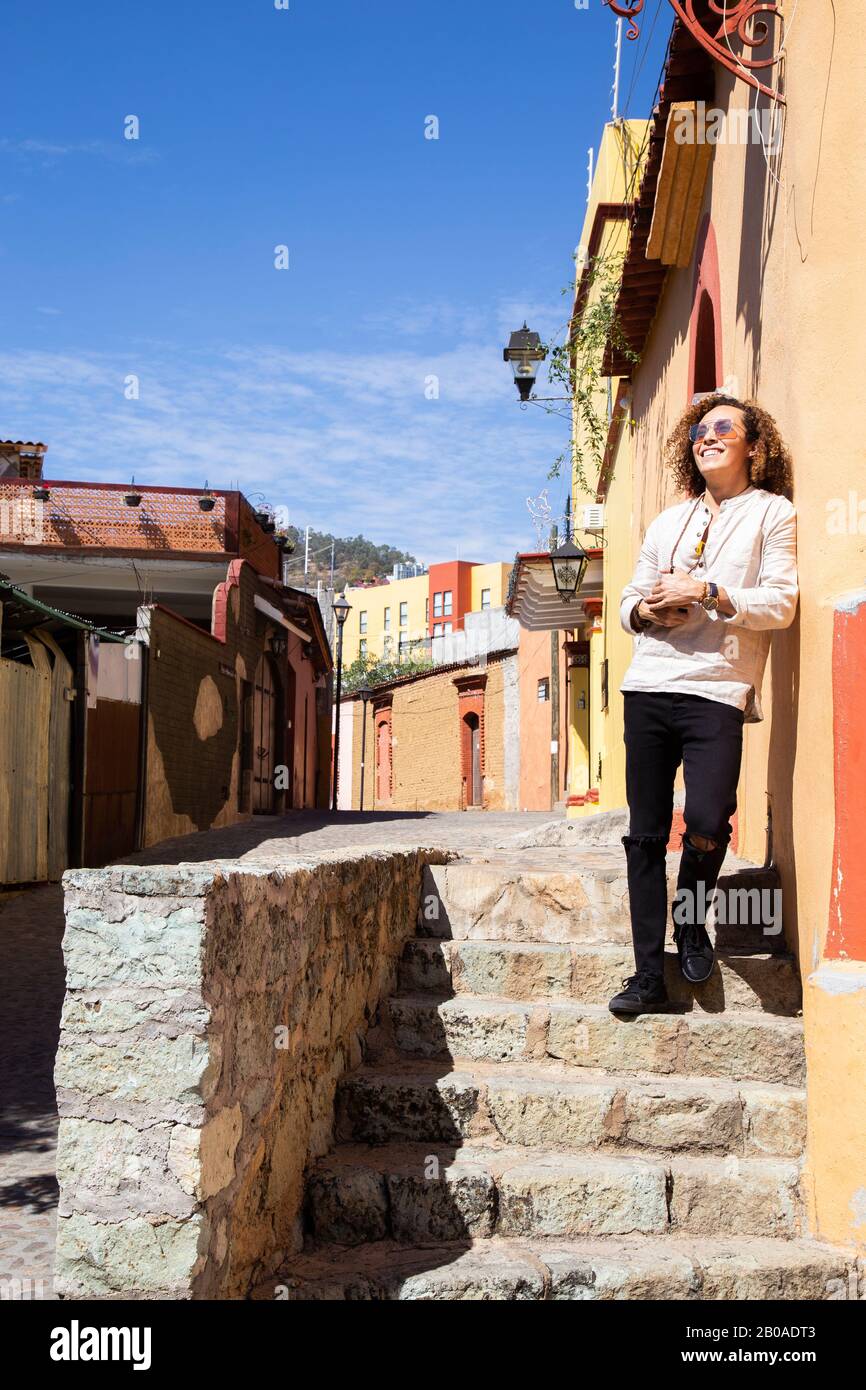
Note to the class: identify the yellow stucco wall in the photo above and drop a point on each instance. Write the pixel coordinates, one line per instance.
(493, 577)
(414, 592)
(620, 154)
(616, 644)
(793, 309)
(374, 601)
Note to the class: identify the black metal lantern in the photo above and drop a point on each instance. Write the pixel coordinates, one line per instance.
(524, 352)
(569, 564)
(342, 609)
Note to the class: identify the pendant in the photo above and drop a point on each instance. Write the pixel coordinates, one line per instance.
(699, 548)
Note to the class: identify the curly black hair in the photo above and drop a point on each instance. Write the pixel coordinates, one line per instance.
(770, 468)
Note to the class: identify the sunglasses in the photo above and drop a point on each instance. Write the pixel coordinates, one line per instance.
(722, 429)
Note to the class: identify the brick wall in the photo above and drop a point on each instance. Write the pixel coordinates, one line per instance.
(425, 719)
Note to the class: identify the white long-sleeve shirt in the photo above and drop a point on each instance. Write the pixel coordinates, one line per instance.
(751, 551)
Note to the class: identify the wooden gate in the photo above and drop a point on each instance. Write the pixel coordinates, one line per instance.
(35, 733)
(264, 735)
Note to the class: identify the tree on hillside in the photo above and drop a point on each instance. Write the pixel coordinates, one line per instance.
(357, 560)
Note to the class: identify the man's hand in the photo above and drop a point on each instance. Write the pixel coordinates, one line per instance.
(663, 617)
(673, 591)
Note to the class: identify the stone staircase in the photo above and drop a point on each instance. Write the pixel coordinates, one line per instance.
(508, 1138)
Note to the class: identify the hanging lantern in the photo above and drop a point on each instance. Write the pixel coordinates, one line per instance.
(569, 564)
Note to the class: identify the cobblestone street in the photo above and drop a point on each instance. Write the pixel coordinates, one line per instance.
(31, 995)
(32, 982)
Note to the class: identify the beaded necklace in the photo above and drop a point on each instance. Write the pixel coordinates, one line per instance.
(699, 549)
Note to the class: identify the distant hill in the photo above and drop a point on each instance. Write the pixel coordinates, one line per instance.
(356, 559)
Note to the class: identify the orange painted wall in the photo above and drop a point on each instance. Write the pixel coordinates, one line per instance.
(534, 665)
(846, 933)
(455, 575)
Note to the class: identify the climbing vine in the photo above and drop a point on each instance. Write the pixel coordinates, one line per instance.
(576, 365)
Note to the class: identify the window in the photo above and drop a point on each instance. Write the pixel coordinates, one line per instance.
(404, 645)
(437, 605)
(362, 647)
(544, 688)
(448, 627)
(387, 645)
(485, 598)
(426, 612)
(437, 629)
(387, 623)
(362, 619)
(404, 614)
(447, 597)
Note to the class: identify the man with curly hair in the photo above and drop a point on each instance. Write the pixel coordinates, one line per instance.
(716, 573)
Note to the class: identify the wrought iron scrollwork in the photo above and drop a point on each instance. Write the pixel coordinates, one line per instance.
(627, 11)
(738, 19)
(747, 21)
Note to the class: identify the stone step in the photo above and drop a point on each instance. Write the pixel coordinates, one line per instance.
(746, 1046)
(560, 1108)
(411, 1193)
(584, 900)
(592, 973)
(614, 1268)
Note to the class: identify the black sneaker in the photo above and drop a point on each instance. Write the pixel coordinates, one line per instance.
(695, 951)
(643, 994)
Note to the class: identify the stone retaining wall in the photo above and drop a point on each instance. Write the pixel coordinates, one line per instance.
(209, 1013)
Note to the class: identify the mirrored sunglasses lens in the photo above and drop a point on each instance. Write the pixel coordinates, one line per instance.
(722, 429)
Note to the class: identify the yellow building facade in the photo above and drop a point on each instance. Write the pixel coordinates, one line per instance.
(400, 617)
(741, 274)
(385, 618)
(596, 759)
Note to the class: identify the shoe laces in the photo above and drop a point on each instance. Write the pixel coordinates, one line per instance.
(692, 934)
(644, 979)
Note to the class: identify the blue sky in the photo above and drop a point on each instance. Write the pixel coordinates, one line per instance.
(408, 257)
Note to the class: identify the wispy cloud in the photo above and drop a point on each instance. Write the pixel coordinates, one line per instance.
(348, 443)
(48, 152)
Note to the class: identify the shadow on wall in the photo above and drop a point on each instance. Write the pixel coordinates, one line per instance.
(781, 761)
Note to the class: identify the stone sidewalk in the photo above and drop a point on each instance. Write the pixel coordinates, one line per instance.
(32, 985)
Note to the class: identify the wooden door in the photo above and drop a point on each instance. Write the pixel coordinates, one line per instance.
(476, 765)
(292, 736)
(264, 736)
(383, 760)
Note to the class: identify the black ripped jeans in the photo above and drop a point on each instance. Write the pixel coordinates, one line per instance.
(663, 729)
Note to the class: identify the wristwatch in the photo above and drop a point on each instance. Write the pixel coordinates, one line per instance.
(710, 600)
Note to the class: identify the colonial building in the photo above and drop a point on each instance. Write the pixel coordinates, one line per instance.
(397, 618)
(446, 739)
(738, 219)
(156, 676)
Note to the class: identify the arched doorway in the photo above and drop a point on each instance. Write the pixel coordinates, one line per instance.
(706, 376)
(291, 740)
(474, 789)
(383, 756)
(706, 352)
(264, 735)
